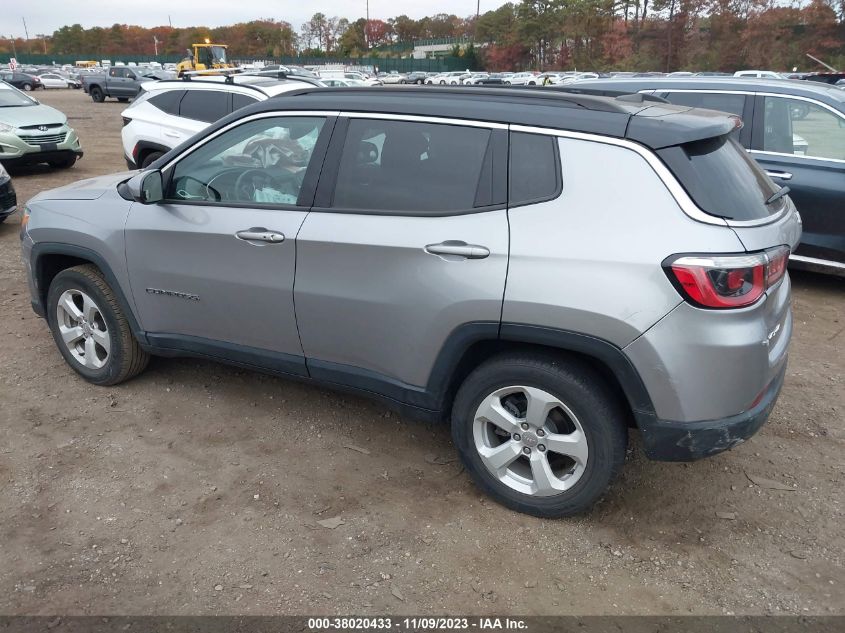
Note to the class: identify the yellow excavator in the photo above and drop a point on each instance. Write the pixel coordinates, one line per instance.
(205, 56)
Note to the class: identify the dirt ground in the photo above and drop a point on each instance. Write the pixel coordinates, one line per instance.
(197, 488)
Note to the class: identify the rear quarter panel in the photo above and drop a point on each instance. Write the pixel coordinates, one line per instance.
(590, 260)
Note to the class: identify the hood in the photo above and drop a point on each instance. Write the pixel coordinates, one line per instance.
(88, 189)
(32, 115)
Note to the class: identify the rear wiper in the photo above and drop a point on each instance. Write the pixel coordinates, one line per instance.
(777, 195)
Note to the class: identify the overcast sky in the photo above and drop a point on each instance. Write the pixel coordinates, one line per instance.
(45, 16)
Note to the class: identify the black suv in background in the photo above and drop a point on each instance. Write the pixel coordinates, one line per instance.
(794, 129)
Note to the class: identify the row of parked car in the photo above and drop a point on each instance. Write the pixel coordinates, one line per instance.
(795, 129)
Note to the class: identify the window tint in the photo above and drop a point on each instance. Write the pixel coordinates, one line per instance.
(241, 101)
(793, 126)
(534, 168)
(722, 179)
(204, 105)
(407, 166)
(168, 101)
(260, 162)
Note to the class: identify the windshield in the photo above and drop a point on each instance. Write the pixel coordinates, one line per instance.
(219, 54)
(12, 98)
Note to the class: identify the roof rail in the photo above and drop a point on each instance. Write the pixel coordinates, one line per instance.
(285, 75)
(572, 99)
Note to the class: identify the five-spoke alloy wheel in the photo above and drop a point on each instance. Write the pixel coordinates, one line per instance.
(91, 329)
(83, 329)
(542, 434)
(530, 440)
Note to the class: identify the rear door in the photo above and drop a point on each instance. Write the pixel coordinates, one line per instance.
(407, 245)
(801, 143)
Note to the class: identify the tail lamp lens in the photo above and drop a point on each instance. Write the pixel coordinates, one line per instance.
(728, 281)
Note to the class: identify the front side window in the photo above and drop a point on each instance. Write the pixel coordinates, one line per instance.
(405, 166)
(168, 101)
(262, 162)
(802, 128)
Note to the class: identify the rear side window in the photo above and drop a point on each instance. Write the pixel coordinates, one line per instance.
(534, 169)
(403, 166)
(722, 179)
(241, 101)
(168, 101)
(204, 105)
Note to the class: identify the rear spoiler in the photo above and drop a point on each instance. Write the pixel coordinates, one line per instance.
(658, 126)
(622, 95)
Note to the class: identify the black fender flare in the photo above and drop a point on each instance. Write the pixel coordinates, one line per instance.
(605, 352)
(37, 261)
(143, 146)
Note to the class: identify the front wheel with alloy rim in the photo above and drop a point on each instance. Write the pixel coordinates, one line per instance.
(541, 434)
(90, 328)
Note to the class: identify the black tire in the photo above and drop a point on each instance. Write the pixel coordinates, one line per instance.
(150, 158)
(126, 359)
(419, 82)
(64, 163)
(123, 99)
(27, 86)
(579, 387)
(97, 94)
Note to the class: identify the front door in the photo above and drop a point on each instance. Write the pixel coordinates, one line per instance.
(406, 246)
(801, 144)
(212, 266)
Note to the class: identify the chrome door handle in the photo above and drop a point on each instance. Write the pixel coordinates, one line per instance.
(260, 235)
(457, 248)
(783, 175)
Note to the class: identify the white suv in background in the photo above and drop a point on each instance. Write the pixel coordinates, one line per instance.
(522, 79)
(166, 113)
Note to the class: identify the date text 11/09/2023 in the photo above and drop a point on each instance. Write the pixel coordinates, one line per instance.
(416, 624)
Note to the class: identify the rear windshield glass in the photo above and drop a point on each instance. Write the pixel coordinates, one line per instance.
(722, 179)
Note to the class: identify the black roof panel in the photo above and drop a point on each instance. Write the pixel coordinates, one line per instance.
(646, 121)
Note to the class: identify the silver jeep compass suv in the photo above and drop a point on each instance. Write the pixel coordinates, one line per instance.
(544, 270)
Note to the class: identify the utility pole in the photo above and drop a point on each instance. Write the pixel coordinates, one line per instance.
(26, 32)
(155, 43)
(367, 28)
(169, 21)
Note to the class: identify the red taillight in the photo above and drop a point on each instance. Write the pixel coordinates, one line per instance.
(728, 281)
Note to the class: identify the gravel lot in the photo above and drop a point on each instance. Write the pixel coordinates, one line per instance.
(199, 489)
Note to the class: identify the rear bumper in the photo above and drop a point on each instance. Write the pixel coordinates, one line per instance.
(665, 440)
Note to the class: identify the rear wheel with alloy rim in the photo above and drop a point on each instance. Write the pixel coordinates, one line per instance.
(541, 434)
(90, 328)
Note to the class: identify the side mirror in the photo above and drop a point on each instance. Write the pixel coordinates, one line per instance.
(146, 187)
